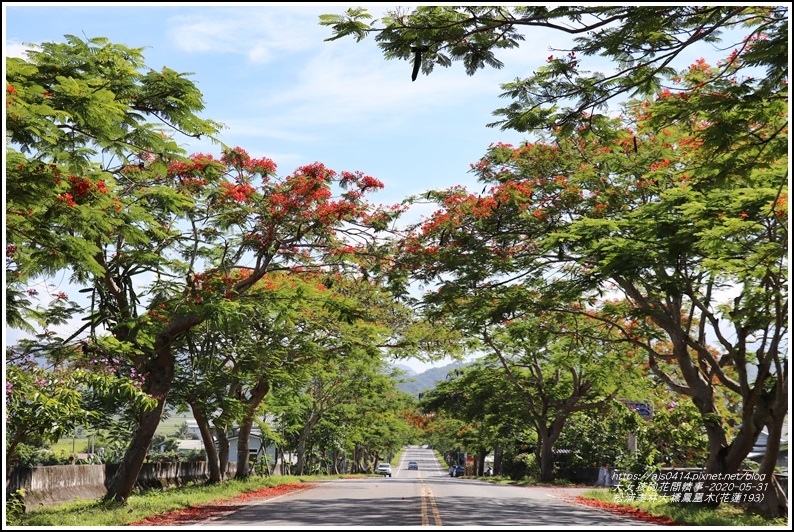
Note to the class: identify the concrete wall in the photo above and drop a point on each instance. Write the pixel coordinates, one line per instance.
(49, 485)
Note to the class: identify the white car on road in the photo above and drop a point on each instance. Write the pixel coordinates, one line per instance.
(384, 469)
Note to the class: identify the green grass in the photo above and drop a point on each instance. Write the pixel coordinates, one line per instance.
(166, 427)
(693, 514)
(153, 502)
(65, 445)
(172, 423)
(683, 514)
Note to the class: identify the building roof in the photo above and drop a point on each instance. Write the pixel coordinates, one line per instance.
(189, 445)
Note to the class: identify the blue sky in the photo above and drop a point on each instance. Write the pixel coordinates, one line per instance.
(266, 72)
(283, 92)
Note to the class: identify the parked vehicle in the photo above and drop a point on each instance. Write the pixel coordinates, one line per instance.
(384, 469)
(456, 470)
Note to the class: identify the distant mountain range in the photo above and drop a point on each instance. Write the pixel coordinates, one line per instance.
(416, 383)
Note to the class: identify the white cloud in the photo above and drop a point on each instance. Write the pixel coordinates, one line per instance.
(252, 127)
(205, 35)
(260, 54)
(339, 82)
(340, 85)
(14, 49)
(257, 32)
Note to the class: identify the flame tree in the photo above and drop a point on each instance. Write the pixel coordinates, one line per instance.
(98, 187)
(679, 205)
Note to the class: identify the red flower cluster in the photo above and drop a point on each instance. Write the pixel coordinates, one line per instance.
(68, 199)
(80, 185)
(239, 193)
(238, 158)
(80, 188)
(188, 170)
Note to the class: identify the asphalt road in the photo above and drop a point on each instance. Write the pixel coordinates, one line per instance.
(427, 497)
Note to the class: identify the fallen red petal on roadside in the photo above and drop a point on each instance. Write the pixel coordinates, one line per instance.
(626, 510)
(207, 511)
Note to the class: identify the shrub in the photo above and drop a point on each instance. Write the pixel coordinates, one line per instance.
(523, 465)
(15, 507)
(30, 456)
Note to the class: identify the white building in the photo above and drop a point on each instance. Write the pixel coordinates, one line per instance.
(192, 426)
(255, 447)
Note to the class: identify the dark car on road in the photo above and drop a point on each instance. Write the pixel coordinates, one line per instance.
(413, 465)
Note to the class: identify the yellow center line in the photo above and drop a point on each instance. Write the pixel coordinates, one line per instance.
(427, 495)
(436, 516)
(424, 508)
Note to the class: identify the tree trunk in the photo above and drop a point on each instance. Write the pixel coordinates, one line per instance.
(223, 450)
(244, 450)
(498, 455)
(303, 438)
(546, 456)
(159, 372)
(775, 501)
(301, 452)
(158, 384)
(758, 407)
(258, 394)
(213, 463)
(357, 466)
(548, 436)
(286, 466)
(481, 452)
(375, 459)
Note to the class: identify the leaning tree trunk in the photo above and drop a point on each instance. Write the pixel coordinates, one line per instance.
(775, 500)
(244, 450)
(159, 372)
(244, 437)
(758, 406)
(303, 438)
(158, 384)
(213, 462)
